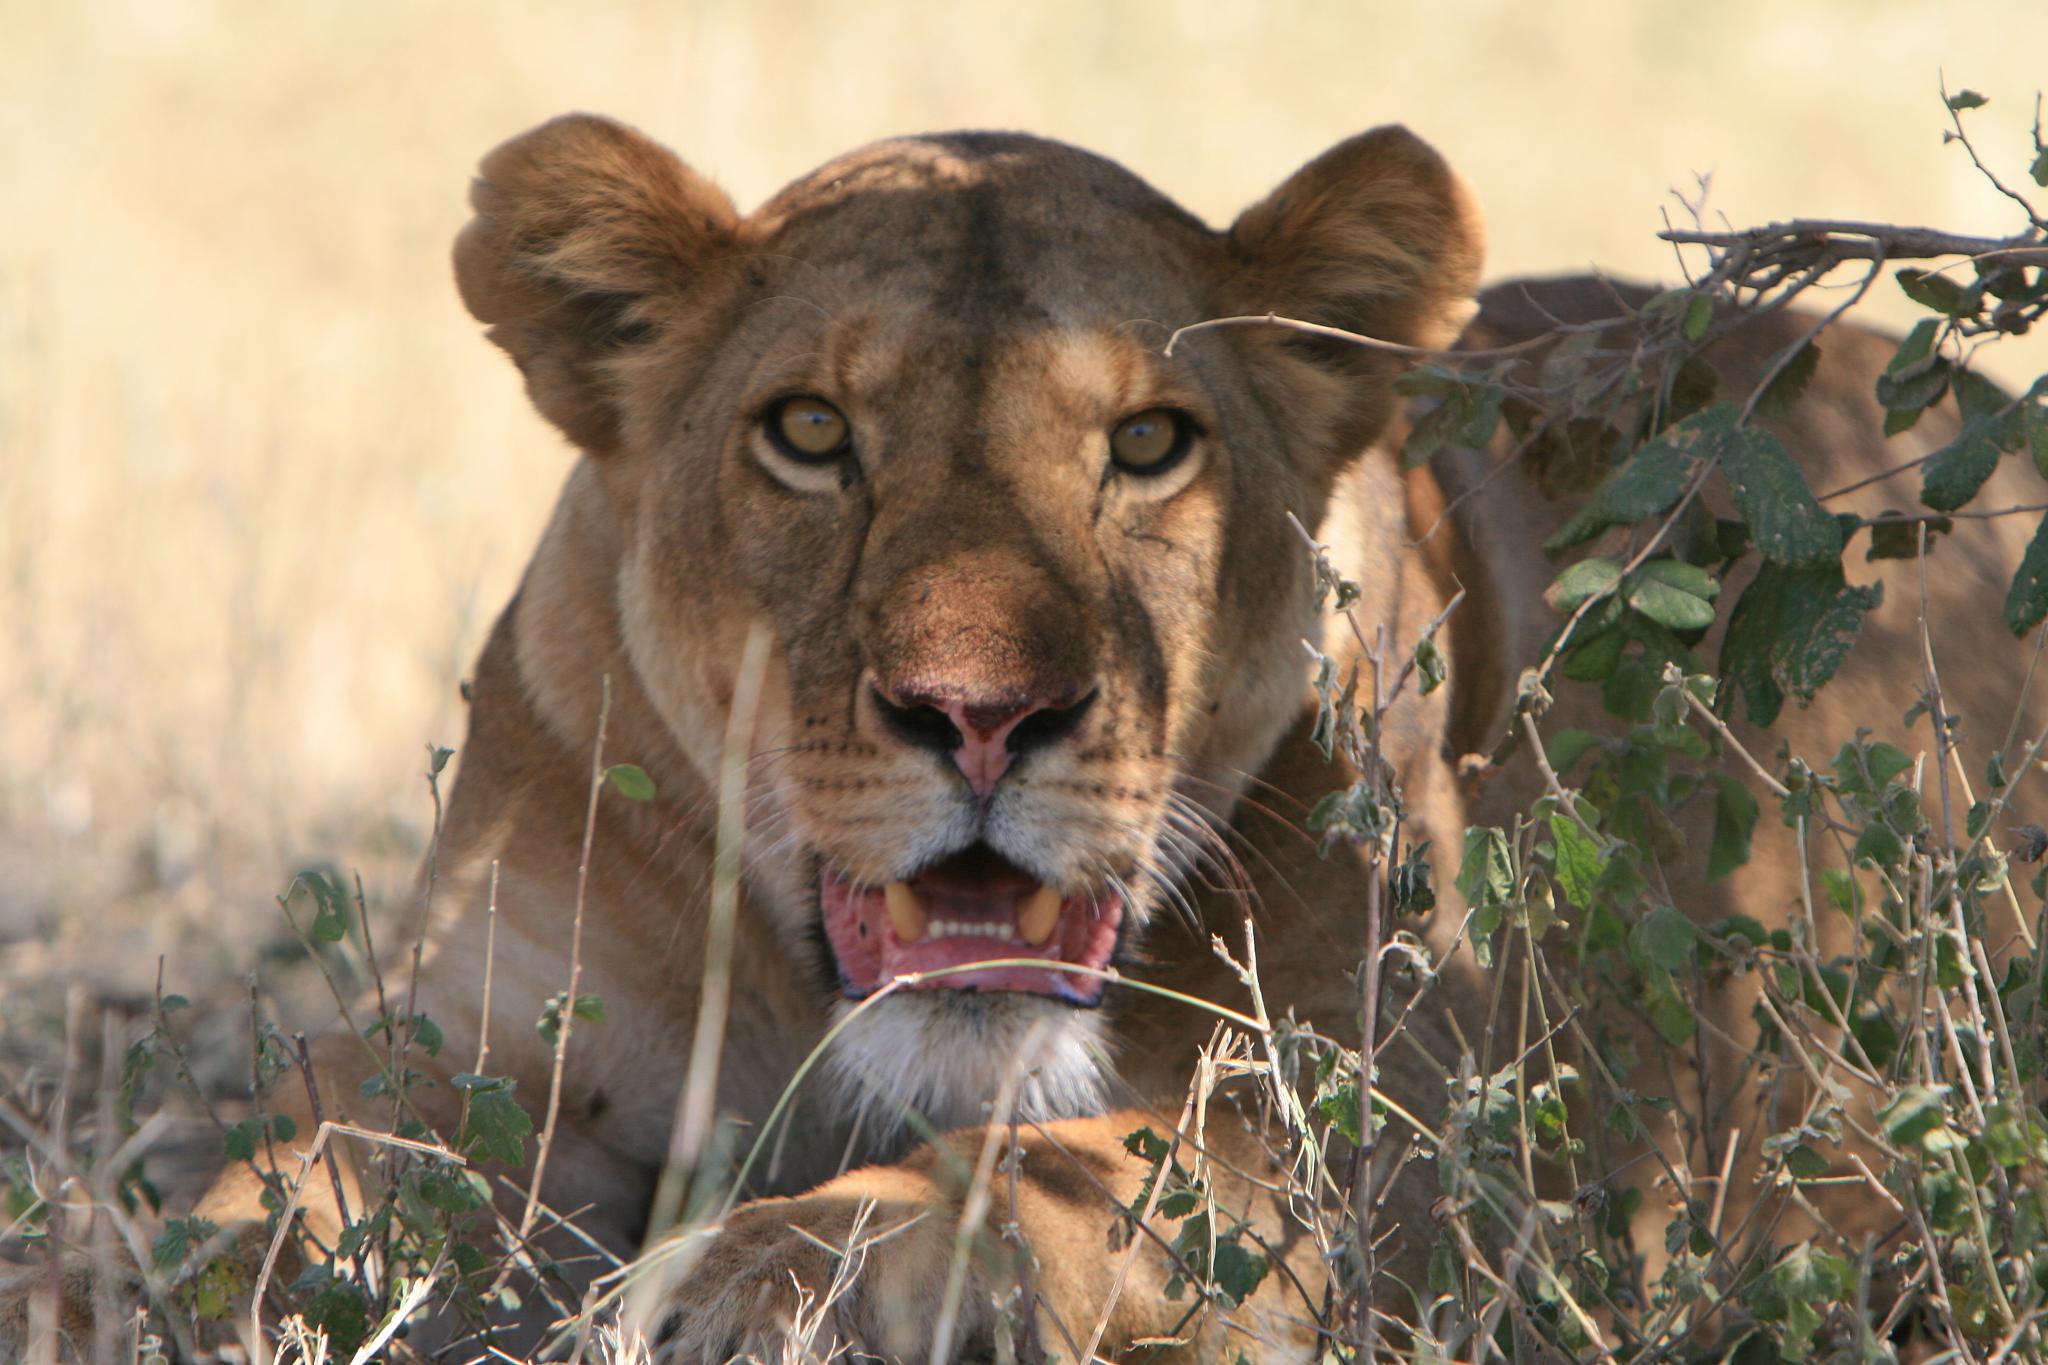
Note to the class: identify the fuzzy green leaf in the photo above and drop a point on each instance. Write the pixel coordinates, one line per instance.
(1931, 289)
(496, 1128)
(1789, 632)
(1666, 937)
(632, 781)
(1653, 479)
(1587, 578)
(1699, 315)
(1578, 860)
(1954, 473)
(2026, 602)
(1787, 523)
(1677, 597)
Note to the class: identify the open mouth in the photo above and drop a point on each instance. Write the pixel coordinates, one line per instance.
(975, 906)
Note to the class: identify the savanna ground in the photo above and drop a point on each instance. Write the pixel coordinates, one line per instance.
(262, 487)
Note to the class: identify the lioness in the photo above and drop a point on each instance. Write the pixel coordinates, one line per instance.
(1025, 611)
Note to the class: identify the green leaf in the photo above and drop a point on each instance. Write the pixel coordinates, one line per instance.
(549, 1025)
(632, 781)
(1594, 659)
(1954, 473)
(1735, 812)
(1789, 632)
(1653, 479)
(1661, 597)
(1785, 520)
(2027, 600)
(1687, 578)
(1486, 879)
(1914, 1116)
(1237, 1272)
(1587, 578)
(1672, 1018)
(1967, 99)
(1577, 859)
(2034, 429)
(179, 1239)
(1566, 747)
(1430, 666)
(2039, 170)
(1914, 378)
(1667, 938)
(1931, 289)
(1672, 608)
(496, 1128)
(1699, 315)
(1805, 1163)
(1789, 383)
(1486, 874)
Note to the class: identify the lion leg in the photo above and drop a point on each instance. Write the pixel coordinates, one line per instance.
(957, 1238)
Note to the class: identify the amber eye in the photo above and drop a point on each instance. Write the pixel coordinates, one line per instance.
(808, 429)
(1153, 441)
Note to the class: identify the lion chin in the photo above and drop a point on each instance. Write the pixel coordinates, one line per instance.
(932, 1061)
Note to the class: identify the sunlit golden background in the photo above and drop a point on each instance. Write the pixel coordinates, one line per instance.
(263, 486)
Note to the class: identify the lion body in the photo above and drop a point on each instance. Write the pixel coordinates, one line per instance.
(939, 290)
(982, 308)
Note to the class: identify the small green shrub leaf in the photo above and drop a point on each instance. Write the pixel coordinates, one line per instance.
(1578, 859)
(1954, 473)
(2027, 600)
(496, 1128)
(1667, 938)
(1652, 480)
(1787, 523)
(632, 781)
(1699, 315)
(1587, 578)
(1931, 289)
(1789, 632)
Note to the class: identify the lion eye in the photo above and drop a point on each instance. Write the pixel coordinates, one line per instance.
(808, 429)
(1153, 441)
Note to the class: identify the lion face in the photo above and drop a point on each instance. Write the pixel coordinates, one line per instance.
(1034, 602)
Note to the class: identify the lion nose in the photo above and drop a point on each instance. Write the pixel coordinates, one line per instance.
(983, 735)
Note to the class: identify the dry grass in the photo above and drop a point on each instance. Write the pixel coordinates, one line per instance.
(262, 486)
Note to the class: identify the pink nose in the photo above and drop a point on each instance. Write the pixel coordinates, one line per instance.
(984, 754)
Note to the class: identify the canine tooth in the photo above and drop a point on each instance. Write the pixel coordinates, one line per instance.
(906, 915)
(1039, 916)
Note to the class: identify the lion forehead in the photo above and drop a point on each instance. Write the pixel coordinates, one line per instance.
(993, 227)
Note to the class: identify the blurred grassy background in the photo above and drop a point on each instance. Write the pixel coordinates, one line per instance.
(262, 485)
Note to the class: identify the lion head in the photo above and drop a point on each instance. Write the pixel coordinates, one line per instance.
(1034, 603)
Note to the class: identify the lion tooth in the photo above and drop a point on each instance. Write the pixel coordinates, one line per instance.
(906, 914)
(1039, 916)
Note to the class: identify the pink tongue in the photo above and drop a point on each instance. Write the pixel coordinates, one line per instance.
(970, 919)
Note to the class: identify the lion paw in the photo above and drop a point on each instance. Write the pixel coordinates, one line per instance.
(790, 1281)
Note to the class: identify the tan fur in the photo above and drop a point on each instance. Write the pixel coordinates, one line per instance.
(984, 308)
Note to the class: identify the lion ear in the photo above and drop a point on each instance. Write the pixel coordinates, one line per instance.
(579, 223)
(1376, 236)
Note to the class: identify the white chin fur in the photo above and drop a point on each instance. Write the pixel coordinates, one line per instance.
(944, 1056)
